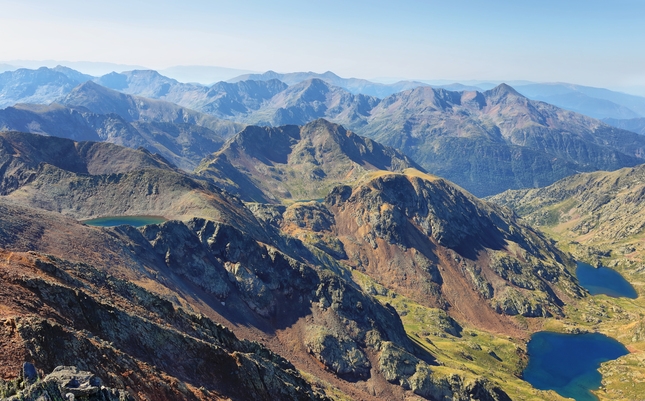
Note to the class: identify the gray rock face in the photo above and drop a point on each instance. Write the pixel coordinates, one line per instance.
(66, 383)
(262, 274)
(403, 368)
(340, 354)
(184, 254)
(403, 210)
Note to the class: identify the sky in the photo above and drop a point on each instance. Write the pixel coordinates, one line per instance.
(596, 43)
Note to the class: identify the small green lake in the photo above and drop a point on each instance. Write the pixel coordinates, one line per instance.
(136, 221)
(603, 280)
(568, 363)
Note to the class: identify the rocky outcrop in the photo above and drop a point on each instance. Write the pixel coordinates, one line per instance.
(64, 383)
(437, 236)
(134, 339)
(338, 353)
(416, 375)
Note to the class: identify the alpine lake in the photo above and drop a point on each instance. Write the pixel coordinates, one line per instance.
(568, 363)
(136, 221)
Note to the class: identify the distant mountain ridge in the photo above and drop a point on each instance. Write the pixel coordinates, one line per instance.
(92, 112)
(101, 100)
(313, 99)
(486, 142)
(594, 102)
(353, 85)
(495, 140)
(295, 163)
(41, 86)
(636, 125)
(223, 100)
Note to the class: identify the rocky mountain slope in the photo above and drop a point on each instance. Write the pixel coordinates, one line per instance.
(294, 163)
(139, 309)
(175, 133)
(59, 312)
(86, 180)
(437, 238)
(636, 125)
(600, 209)
(491, 141)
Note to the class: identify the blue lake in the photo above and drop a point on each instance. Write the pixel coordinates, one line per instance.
(136, 221)
(604, 280)
(568, 363)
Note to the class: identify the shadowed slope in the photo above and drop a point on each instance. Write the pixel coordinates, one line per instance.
(291, 162)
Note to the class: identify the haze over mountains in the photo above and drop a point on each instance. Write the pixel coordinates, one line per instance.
(454, 134)
(95, 113)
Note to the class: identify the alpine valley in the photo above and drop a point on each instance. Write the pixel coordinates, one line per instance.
(321, 238)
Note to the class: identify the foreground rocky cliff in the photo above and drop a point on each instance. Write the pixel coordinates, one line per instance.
(64, 383)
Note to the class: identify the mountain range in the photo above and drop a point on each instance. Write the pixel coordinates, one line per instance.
(595, 102)
(92, 112)
(632, 124)
(353, 85)
(495, 140)
(486, 142)
(274, 164)
(322, 286)
(315, 237)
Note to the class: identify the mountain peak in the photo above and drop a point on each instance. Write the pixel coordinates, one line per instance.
(297, 163)
(92, 86)
(330, 74)
(502, 90)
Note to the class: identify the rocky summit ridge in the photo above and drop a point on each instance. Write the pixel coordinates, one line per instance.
(292, 163)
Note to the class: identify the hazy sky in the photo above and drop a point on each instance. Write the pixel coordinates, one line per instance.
(588, 42)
